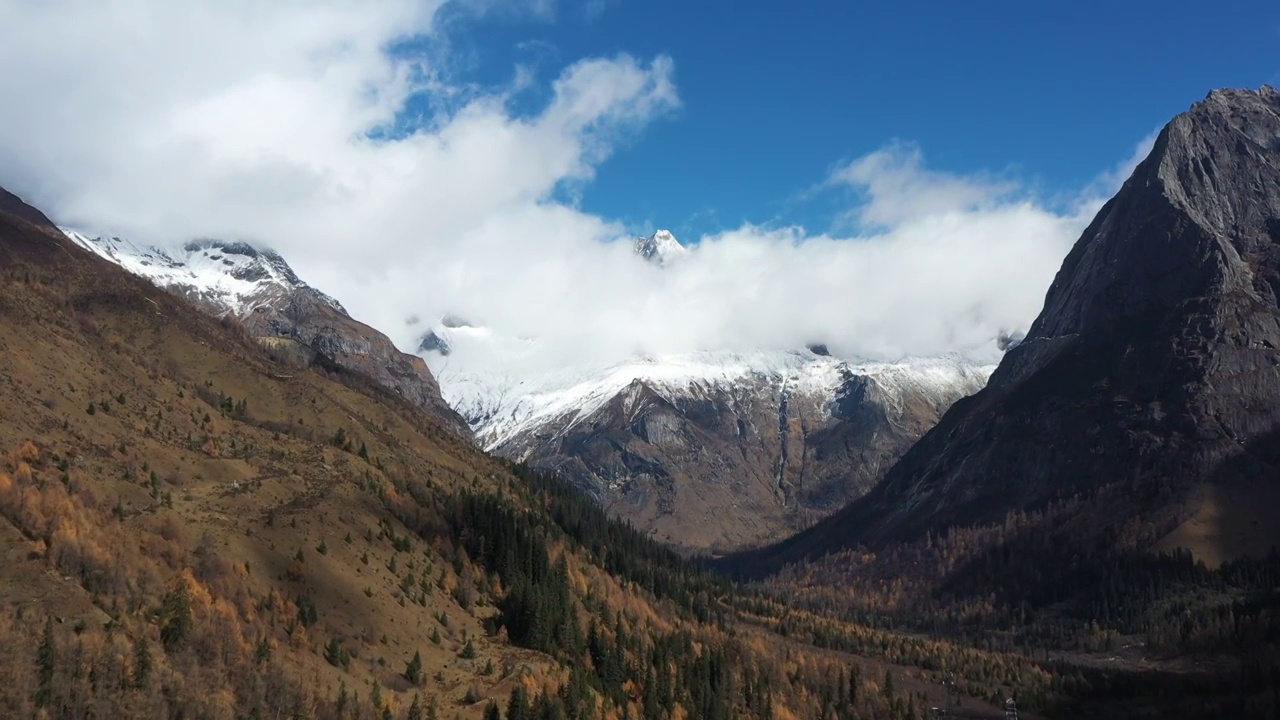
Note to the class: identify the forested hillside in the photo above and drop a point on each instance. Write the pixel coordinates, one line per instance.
(194, 526)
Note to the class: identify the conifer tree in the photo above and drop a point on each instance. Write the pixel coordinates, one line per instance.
(413, 671)
(343, 699)
(45, 657)
(142, 664)
(518, 706)
(176, 613)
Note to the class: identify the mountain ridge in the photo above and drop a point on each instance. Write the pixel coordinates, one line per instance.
(261, 291)
(710, 449)
(1150, 371)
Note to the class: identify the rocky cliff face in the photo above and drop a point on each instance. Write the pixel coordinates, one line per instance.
(726, 465)
(1153, 371)
(715, 449)
(310, 318)
(259, 289)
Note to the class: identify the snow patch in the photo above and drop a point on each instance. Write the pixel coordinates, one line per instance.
(505, 394)
(232, 278)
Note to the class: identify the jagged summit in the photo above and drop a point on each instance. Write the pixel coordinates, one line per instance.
(432, 341)
(660, 247)
(707, 448)
(226, 278)
(258, 288)
(1148, 386)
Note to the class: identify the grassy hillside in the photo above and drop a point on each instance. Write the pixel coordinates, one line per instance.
(193, 525)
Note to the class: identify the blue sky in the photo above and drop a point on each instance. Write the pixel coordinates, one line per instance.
(775, 94)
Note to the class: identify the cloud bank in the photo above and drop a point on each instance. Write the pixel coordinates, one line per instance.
(333, 132)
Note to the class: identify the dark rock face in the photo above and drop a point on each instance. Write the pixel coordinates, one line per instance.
(12, 204)
(1154, 366)
(431, 342)
(318, 322)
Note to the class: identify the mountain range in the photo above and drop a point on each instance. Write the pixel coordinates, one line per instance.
(710, 450)
(216, 501)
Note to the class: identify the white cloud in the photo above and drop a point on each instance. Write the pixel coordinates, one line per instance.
(899, 188)
(249, 120)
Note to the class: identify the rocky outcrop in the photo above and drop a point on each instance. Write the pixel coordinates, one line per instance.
(1153, 370)
(313, 320)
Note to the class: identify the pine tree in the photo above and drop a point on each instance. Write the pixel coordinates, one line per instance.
(413, 671)
(44, 665)
(343, 699)
(492, 712)
(142, 664)
(333, 653)
(176, 611)
(415, 710)
(518, 706)
(263, 652)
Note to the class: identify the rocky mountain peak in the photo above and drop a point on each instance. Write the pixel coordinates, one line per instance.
(257, 287)
(1147, 388)
(1194, 219)
(659, 248)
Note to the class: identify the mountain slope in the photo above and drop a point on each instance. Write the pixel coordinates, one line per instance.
(260, 290)
(13, 205)
(712, 449)
(192, 526)
(1149, 386)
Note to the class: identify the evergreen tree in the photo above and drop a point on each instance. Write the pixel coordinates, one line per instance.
(415, 710)
(518, 705)
(175, 612)
(413, 671)
(45, 657)
(492, 712)
(343, 699)
(333, 652)
(142, 663)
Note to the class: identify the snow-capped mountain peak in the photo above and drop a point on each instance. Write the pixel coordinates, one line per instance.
(227, 277)
(660, 247)
(258, 288)
(700, 448)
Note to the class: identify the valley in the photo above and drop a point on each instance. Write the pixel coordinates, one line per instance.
(711, 451)
(224, 496)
